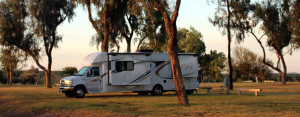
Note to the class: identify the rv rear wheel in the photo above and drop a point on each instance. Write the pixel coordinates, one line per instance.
(189, 91)
(79, 92)
(69, 94)
(157, 90)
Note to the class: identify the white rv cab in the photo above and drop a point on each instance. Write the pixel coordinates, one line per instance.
(138, 72)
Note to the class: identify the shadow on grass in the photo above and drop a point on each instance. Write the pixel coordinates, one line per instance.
(124, 95)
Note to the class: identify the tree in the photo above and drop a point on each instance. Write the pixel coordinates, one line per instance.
(153, 34)
(131, 22)
(10, 60)
(104, 23)
(69, 70)
(190, 40)
(295, 23)
(223, 19)
(248, 64)
(212, 64)
(45, 16)
(171, 29)
(280, 23)
(12, 16)
(30, 76)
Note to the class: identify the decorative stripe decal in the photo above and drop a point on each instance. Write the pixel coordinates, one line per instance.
(188, 74)
(161, 66)
(141, 62)
(141, 77)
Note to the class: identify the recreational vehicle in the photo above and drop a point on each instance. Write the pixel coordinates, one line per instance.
(142, 72)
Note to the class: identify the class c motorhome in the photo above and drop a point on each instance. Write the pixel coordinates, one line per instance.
(142, 72)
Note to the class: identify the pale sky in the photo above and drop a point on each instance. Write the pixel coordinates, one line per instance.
(77, 34)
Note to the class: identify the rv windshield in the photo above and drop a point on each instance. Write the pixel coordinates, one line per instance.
(82, 71)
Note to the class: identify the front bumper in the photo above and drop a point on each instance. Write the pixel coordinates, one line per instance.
(65, 89)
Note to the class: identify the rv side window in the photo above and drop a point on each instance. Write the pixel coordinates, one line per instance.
(124, 65)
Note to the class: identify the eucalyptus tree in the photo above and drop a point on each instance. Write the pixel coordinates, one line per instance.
(213, 64)
(248, 64)
(276, 18)
(280, 23)
(171, 29)
(223, 19)
(34, 31)
(12, 18)
(153, 34)
(107, 21)
(10, 58)
(46, 16)
(130, 22)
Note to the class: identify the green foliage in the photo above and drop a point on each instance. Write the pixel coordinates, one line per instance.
(190, 41)
(30, 76)
(11, 59)
(295, 23)
(212, 65)
(153, 34)
(31, 27)
(276, 23)
(69, 70)
(247, 64)
(46, 16)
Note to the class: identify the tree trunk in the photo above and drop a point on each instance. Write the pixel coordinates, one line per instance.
(7, 78)
(118, 47)
(264, 56)
(104, 46)
(278, 77)
(176, 71)
(283, 80)
(10, 70)
(229, 47)
(171, 29)
(128, 45)
(48, 76)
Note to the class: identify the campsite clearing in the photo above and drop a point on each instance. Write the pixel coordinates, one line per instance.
(275, 100)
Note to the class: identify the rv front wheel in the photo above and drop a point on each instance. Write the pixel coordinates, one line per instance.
(79, 92)
(157, 90)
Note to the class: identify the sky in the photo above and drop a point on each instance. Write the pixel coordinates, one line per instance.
(77, 34)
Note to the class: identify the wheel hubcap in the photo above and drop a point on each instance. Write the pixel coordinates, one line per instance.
(157, 90)
(79, 92)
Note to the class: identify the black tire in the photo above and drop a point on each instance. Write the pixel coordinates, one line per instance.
(69, 94)
(79, 92)
(189, 92)
(157, 90)
(142, 93)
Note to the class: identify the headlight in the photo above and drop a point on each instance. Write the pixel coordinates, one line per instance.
(66, 83)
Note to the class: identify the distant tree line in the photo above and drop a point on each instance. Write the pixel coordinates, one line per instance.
(34, 76)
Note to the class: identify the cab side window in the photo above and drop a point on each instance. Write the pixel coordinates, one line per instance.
(94, 71)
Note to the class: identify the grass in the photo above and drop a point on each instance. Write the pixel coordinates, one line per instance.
(275, 100)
